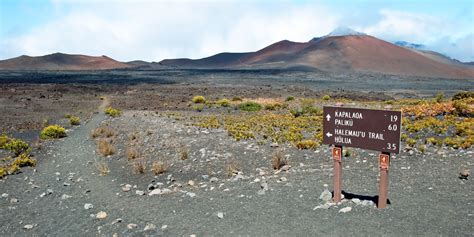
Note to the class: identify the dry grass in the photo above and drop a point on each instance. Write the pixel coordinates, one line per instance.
(102, 167)
(232, 168)
(139, 165)
(278, 159)
(158, 167)
(105, 148)
(132, 153)
(103, 131)
(183, 152)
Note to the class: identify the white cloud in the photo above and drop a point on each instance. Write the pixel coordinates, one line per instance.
(157, 30)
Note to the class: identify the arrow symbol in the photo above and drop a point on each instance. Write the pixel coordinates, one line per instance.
(328, 117)
(328, 134)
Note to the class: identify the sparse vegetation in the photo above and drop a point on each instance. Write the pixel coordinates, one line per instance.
(289, 98)
(250, 106)
(132, 153)
(233, 168)
(326, 97)
(278, 159)
(198, 107)
(102, 167)
(183, 152)
(236, 98)
(112, 112)
(223, 102)
(103, 132)
(158, 167)
(53, 132)
(139, 165)
(307, 144)
(199, 99)
(105, 148)
(74, 120)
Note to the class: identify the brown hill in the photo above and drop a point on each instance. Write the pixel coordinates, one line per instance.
(59, 61)
(361, 53)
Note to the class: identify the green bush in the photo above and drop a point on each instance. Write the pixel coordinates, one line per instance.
(199, 99)
(3, 141)
(326, 97)
(74, 120)
(439, 97)
(198, 107)
(17, 146)
(410, 142)
(250, 106)
(112, 112)
(290, 98)
(52, 132)
(223, 102)
(24, 159)
(463, 95)
(236, 98)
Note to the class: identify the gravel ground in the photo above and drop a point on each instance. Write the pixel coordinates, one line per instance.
(426, 196)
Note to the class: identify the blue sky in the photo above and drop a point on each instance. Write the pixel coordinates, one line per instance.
(154, 30)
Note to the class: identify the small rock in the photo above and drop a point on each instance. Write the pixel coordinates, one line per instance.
(345, 209)
(274, 144)
(214, 180)
(140, 192)
(66, 184)
(283, 179)
(42, 195)
(163, 227)
(166, 191)
(118, 220)
(101, 215)
(190, 194)
(155, 192)
(13, 200)
(326, 196)
(285, 168)
(191, 183)
(264, 186)
(88, 206)
(356, 201)
(28, 227)
(65, 196)
(261, 192)
(126, 187)
(220, 215)
(149, 226)
(132, 226)
(151, 187)
(4, 195)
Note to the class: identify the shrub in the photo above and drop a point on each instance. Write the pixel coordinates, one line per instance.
(102, 132)
(463, 107)
(439, 97)
(53, 132)
(422, 148)
(132, 154)
(183, 152)
(112, 112)
(105, 148)
(403, 137)
(236, 98)
(68, 116)
(158, 167)
(224, 102)
(250, 106)
(3, 141)
(433, 141)
(346, 153)
(24, 159)
(307, 144)
(17, 146)
(326, 97)
(3, 172)
(410, 142)
(278, 160)
(74, 120)
(199, 99)
(232, 168)
(102, 167)
(198, 107)
(273, 106)
(139, 166)
(463, 95)
(290, 98)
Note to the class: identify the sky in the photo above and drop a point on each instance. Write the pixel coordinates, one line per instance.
(154, 30)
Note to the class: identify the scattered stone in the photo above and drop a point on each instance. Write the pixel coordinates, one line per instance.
(356, 201)
(345, 209)
(274, 144)
(28, 227)
(163, 227)
(149, 226)
(463, 174)
(155, 192)
(101, 215)
(326, 196)
(4, 195)
(65, 196)
(118, 220)
(264, 186)
(283, 179)
(220, 215)
(214, 180)
(88, 206)
(140, 192)
(367, 203)
(49, 191)
(132, 226)
(66, 184)
(191, 183)
(13, 200)
(285, 168)
(190, 194)
(42, 195)
(126, 187)
(166, 191)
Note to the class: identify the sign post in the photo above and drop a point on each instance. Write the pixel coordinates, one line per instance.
(370, 129)
(337, 179)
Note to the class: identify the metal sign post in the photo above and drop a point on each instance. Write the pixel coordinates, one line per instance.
(370, 129)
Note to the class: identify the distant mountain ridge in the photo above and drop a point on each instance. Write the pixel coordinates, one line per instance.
(60, 61)
(343, 50)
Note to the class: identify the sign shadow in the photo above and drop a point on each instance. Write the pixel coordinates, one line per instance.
(374, 199)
